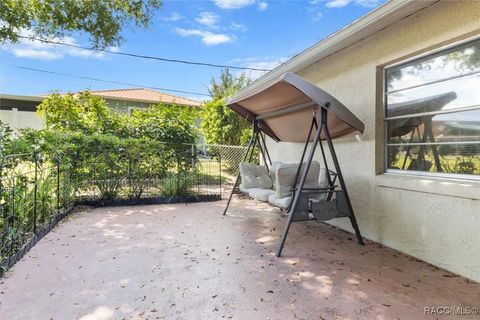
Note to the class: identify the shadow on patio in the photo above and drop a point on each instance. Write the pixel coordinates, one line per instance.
(190, 262)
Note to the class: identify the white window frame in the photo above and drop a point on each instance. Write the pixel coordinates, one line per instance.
(385, 92)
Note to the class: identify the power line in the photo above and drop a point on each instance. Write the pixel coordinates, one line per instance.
(134, 55)
(103, 80)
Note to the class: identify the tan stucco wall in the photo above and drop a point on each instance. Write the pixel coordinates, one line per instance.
(21, 119)
(124, 106)
(436, 220)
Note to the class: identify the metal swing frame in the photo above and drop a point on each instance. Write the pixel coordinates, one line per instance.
(320, 115)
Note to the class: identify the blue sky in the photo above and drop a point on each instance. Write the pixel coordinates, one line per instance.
(248, 33)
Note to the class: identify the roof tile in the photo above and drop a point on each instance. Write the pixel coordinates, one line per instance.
(144, 95)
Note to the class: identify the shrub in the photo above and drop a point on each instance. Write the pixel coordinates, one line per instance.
(178, 184)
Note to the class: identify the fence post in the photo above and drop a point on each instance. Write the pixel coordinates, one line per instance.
(178, 175)
(1, 184)
(35, 194)
(193, 154)
(129, 176)
(12, 219)
(220, 172)
(58, 184)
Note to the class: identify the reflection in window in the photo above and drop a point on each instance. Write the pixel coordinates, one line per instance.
(432, 108)
(459, 60)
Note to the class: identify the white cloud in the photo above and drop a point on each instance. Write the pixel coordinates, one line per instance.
(114, 49)
(233, 4)
(35, 49)
(35, 54)
(262, 6)
(238, 26)
(368, 3)
(208, 19)
(267, 63)
(343, 3)
(208, 38)
(337, 3)
(174, 16)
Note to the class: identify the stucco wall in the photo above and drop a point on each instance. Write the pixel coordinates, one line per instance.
(21, 119)
(436, 220)
(123, 106)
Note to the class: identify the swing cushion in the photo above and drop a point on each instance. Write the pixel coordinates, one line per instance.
(276, 201)
(285, 177)
(260, 194)
(273, 172)
(254, 176)
(242, 189)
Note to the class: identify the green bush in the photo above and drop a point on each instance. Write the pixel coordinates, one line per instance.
(178, 184)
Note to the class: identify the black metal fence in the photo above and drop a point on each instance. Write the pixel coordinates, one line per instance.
(170, 171)
(38, 190)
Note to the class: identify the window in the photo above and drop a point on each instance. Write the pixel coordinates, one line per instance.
(432, 113)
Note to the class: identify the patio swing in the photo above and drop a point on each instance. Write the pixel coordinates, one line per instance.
(294, 110)
(402, 123)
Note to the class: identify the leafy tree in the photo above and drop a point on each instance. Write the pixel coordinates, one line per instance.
(220, 124)
(5, 139)
(227, 85)
(103, 20)
(78, 112)
(166, 123)
(89, 114)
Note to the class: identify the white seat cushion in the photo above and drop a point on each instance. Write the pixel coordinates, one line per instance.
(260, 194)
(274, 200)
(273, 172)
(285, 177)
(254, 176)
(243, 189)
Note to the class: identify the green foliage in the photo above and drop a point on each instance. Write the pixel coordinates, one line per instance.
(103, 150)
(102, 20)
(464, 165)
(80, 112)
(166, 123)
(5, 139)
(18, 195)
(227, 85)
(176, 184)
(220, 124)
(84, 113)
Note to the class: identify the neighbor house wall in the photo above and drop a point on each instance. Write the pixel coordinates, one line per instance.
(21, 119)
(123, 106)
(434, 219)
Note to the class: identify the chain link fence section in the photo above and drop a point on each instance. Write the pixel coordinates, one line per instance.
(229, 158)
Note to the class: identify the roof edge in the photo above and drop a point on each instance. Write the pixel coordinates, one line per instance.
(198, 104)
(21, 97)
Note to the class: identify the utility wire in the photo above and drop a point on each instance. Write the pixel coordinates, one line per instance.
(134, 55)
(103, 80)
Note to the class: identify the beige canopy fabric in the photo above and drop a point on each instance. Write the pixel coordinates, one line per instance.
(285, 110)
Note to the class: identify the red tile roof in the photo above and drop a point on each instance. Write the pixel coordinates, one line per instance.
(144, 95)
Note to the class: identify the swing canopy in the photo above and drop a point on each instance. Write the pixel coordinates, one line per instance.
(283, 110)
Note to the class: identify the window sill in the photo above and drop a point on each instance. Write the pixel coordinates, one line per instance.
(468, 189)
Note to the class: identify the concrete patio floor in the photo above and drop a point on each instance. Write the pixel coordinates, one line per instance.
(190, 262)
